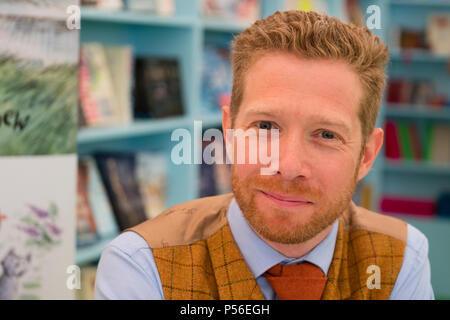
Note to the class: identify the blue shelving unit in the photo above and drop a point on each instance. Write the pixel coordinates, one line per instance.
(411, 178)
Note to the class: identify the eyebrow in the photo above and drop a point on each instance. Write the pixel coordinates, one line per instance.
(318, 119)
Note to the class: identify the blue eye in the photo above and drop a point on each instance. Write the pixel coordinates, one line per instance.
(265, 125)
(327, 135)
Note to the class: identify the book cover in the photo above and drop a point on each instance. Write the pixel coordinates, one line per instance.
(38, 164)
(118, 175)
(119, 61)
(216, 78)
(38, 82)
(98, 99)
(157, 88)
(37, 226)
(151, 173)
(438, 33)
(105, 222)
(86, 227)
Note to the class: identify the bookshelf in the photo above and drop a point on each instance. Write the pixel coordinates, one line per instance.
(418, 179)
(184, 36)
(416, 112)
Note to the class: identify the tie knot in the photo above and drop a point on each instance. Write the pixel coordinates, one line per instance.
(302, 270)
(304, 281)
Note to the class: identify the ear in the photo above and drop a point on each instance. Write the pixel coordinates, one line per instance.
(226, 122)
(371, 150)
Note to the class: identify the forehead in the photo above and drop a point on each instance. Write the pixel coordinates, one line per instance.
(291, 85)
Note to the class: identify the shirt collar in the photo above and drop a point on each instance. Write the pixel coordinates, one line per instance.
(260, 256)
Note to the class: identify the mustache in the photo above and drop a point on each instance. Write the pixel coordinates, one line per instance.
(274, 185)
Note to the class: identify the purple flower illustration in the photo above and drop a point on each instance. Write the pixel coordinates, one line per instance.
(39, 212)
(54, 229)
(33, 232)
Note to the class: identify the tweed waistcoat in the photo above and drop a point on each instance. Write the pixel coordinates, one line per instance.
(197, 257)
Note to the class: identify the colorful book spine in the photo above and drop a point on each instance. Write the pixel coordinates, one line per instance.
(415, 141)
(399, 205)
(428, 142)
(405, 142)
(392, 147)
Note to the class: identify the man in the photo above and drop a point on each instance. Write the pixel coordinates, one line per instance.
(295, 233)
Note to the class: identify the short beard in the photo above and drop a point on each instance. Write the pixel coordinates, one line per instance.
(330, 210)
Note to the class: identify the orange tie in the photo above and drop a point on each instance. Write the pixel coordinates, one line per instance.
(304, 281)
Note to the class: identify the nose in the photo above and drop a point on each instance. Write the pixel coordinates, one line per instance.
(294, 158)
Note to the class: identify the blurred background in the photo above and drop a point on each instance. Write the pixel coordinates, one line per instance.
(149, 67)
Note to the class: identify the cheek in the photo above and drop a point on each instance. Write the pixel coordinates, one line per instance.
(334, 173)
(243, 172)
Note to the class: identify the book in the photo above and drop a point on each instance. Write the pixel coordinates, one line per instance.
(413, 39)
(85, 223)
(405, 205)
(215, 178)
(440, 144)
(216, 78)
(232, 10)
(405, 143)
(96, 88)
(414, 139)
(105, 222)
(117, 171)
(392, 146)
(366, 196)
(417, 92)
(119, 60)
(438, 33)
(151, 173)
(157, 88)
(429, 128)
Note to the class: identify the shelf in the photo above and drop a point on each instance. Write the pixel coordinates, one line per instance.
(211, 120)
(129, 17)
(416, 55)
(135, 129)
(224, 26)
(91, 253)
(416, 112)
(403, 166)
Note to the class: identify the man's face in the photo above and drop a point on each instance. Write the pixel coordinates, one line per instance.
(314, 105)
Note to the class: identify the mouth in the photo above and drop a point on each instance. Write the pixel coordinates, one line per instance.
(285, 200)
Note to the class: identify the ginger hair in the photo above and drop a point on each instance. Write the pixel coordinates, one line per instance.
(314, 36)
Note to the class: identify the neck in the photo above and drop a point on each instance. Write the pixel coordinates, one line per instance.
(299, 249)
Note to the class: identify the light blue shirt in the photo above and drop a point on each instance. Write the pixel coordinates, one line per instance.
(127, 269)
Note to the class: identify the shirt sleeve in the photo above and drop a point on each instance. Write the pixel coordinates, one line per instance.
(414, 279)
(127, 270)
